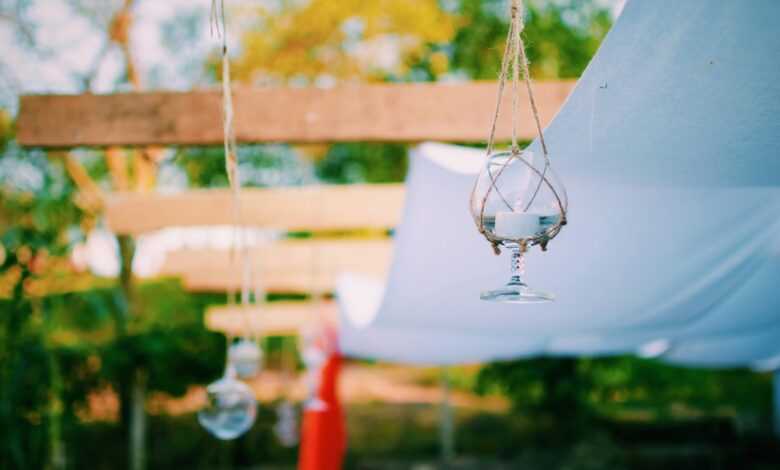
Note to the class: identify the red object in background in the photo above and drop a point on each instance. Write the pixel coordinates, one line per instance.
(324, 434)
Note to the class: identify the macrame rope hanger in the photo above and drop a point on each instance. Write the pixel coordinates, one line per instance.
(218, 28)
(515, 56)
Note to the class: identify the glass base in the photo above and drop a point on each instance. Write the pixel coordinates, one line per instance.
(516, 294)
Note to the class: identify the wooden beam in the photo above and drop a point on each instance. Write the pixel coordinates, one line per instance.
(90, 196)
(270, 319)
(341, 207)
(116, 160)
(409, 112)
(291, 266)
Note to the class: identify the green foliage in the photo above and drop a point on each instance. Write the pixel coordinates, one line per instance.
(260, 166)
(35, 198)
(23, 388)
(560, 37)
(5, 129)
(179, 442)
(35, 202)
(204, 166)
(165, 334)
(550, 390)
(363, 163)
(55, 350)
(567, 395)
(628, 382)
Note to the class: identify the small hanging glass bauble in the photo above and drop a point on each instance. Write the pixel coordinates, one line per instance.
(314, 359)
(231, 408)
(313, 401)
(246, 356)
(286, 427)
(313, 356)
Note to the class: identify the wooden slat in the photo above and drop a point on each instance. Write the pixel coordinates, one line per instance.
(271, 319)
(456, 112)
(342, 207)
(291, 266)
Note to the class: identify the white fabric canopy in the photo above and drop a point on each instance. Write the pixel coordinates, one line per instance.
(669, 149)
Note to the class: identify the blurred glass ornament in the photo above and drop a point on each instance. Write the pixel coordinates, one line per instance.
(518, 202)
(313, 402)
(286, 427)
(246, 357)
(231, 408)
(314, 359)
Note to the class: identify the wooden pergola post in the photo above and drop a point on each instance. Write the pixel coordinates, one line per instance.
(133, 390)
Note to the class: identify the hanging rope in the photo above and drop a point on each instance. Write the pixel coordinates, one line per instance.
(501, 83)
(516, 58)
(517, 28)
(218, 27)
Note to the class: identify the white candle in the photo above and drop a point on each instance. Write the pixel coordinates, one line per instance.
(517, 225)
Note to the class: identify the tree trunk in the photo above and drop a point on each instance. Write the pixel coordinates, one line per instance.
(132, 390)
(57, 459)
(138, 422)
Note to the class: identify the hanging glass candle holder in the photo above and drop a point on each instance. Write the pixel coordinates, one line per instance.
(517, 201)
(246, 357)
(231, 407)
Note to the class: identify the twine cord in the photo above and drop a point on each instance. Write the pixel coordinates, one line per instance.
(218, 27)
(517, 27)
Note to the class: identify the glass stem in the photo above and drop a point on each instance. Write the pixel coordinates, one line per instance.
(518, 264)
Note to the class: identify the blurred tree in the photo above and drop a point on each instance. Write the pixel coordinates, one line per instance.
(628, 382)
(564, 396)
(550, 390)
(260, 166)
(320, 42)
(55, 350)
(35, 205)
(560, 36)
(363, 163)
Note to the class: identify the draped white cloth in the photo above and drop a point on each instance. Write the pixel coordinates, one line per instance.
(670, 150)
